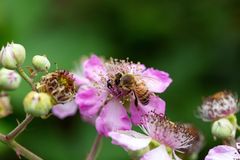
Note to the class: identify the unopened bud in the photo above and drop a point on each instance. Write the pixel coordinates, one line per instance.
(41, 63)
(37, 104)
(12, 56)
(5, 106)
(223, 129)
(9, 79)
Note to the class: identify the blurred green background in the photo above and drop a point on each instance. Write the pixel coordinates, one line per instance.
(197, 42)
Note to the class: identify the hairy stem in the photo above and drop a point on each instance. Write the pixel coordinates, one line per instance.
(26, 78)
(20, 128)
(9, 139)
(19, 149)
(95, 148)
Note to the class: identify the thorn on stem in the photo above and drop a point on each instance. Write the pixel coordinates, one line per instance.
(18, 154)
(17, 121)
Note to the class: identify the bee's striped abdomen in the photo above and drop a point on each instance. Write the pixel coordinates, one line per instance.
(142, 93)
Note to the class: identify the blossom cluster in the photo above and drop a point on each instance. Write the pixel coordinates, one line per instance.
(115, 95)
(220, 109)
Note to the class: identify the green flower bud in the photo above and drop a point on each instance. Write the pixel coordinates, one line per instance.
(12, 56)
(9, 79)
(37, 104)
(5, 106)
(41, 63)
(223, 129)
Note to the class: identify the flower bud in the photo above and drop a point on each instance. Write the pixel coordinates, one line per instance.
(37, 104)
(12, 56)
(41, 63)
(5, 106)
(223, 129)
(9, 79)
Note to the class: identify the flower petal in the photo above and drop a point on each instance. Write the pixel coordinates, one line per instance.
(90, 101)
(157, 81)
(93, 68)
(130, 140)
(222, 152)
(155, 104)
(64, 110)
(79, 80)
(113, 117)
(159, 153)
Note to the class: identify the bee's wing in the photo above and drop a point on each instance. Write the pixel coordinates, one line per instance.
(153, 84)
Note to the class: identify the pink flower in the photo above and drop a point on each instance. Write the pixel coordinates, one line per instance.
(158, 129)
(223, 152)
(220, 105)
(110, 89)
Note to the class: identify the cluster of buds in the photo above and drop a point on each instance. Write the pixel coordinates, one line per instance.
(220, 109)
(56, 87)
(104, 96)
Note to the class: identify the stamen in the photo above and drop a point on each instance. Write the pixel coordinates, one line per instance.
(176, 136)
(60, 85)
(219, 105)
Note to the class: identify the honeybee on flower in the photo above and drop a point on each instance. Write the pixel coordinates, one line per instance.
(108, 90)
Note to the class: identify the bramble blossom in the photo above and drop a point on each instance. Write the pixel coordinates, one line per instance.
(220, 105)
(104, 103)
(223, 152)
(158, 129)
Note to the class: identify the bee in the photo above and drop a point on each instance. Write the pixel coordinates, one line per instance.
(128, 83)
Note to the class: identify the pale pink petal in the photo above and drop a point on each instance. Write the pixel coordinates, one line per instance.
(90, 101)
(79, 80)
(222, 152)
(130, 140)
(64, 110)
(159, 153)
(136, 68)
(89, 118)
(157, 81)
(155, 104)
(93, 68)
(113, 117)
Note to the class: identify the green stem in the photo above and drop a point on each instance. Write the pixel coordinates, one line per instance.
(19, 149)
(20, 128)
(26, 78)
(95, 148)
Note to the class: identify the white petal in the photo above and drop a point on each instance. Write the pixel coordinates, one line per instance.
(223, 152)
(130, 140)
(159, 153)
(156, 80)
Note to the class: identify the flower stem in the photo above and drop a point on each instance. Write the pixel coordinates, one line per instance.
(19, 149)
(95, 148)
(26, 78)
(20, 128)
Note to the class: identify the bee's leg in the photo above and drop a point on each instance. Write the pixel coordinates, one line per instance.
(136, 99)
(109, 85)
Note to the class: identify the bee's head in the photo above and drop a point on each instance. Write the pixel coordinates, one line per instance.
(127, 81)
(117, 80)
(114, 82)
